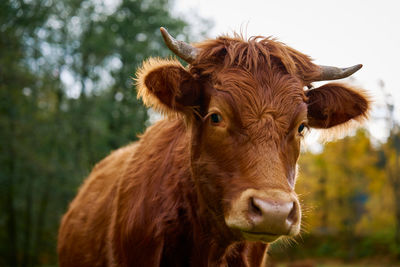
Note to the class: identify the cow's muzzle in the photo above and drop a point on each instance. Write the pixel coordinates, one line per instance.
(265, 215)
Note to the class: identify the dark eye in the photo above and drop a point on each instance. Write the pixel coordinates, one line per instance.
(216, 118)
(301, 128)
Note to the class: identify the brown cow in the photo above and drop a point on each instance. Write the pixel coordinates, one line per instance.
(213, 183)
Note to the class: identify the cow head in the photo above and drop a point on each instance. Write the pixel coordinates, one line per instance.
(246, 109)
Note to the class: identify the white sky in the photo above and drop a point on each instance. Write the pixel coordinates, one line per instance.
(340, 33)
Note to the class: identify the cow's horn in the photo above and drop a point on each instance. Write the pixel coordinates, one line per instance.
(181, 49)
(333, 73)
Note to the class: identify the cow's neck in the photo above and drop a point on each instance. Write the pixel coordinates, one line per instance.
(209, 237)
(196, 231)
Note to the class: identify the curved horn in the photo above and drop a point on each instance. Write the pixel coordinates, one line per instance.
(183, 50)
(333, 73)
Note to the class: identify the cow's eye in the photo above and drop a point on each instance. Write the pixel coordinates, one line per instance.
(301, 128)
(216, 118)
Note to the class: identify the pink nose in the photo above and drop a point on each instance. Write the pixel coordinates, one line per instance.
(272, 216)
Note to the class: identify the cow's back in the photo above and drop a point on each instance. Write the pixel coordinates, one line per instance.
(82, 239)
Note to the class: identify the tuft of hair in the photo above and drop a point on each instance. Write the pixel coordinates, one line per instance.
(148, 98)
(250, 53)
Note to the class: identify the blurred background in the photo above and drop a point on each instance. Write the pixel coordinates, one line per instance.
(67, 99)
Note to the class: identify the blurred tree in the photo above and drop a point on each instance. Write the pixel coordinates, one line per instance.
(337, 179)
(19, 94)
(392, 168)
(335, 187)
(390, 159)
(353, 190)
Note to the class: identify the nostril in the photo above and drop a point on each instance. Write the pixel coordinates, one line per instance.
(293, 215)
(253, 208)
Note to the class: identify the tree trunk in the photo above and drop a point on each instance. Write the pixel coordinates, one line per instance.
(28, 224)
(11, 218)
(394, 180)
(396, 190)
(397, 214)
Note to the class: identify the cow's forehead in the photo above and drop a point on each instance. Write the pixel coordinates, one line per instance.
(252, 97)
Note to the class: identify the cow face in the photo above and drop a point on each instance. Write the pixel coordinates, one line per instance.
(246, 122)
(245, 152)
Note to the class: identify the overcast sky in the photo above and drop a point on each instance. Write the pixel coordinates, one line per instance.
(340, 33)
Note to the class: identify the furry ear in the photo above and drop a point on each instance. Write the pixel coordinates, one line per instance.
(334, 104)
(166, 86)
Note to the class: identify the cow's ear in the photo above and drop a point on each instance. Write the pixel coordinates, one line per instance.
(167, 86)
(334, 104)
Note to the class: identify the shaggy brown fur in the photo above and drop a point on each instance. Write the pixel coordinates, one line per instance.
(164, 201)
